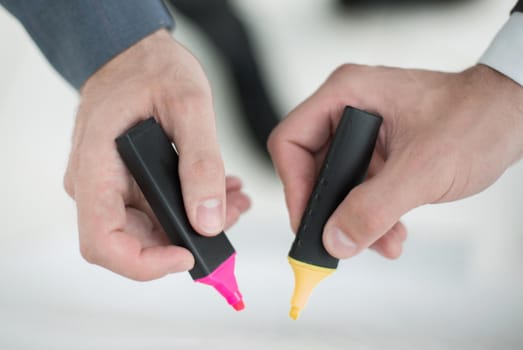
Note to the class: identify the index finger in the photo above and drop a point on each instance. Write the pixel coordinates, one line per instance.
(295, 145)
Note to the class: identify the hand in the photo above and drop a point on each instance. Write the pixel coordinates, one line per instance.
(157, 76)
(445, 136)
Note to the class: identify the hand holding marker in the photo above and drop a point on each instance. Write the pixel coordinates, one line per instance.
(150, 157)
(344, 167)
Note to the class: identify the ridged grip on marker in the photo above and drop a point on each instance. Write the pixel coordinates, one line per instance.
(344, 167)
(150, 157)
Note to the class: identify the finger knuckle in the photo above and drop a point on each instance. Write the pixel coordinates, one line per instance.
(140, 276)
(344, 69)
(189, 101)
(274, 141)
(341, 72)
(391, 250)
(67, 183)
(89, 253)
(206, 167)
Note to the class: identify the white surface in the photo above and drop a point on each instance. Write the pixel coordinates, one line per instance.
(458, 285)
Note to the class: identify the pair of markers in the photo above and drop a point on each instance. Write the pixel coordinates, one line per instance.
(153, 162)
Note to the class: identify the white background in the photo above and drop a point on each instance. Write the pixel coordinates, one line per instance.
(458, 285)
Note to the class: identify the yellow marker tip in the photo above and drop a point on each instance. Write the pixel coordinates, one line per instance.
(306, 277)
(294, 313)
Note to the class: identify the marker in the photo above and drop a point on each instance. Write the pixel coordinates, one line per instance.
(344, 167)
(152, 160)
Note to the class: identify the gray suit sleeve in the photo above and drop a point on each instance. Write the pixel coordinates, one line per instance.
(79, 36)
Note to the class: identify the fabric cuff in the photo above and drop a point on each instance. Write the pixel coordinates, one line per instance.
(79, 36)
(505, 53)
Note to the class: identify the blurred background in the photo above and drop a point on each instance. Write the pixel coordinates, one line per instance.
(458, 285)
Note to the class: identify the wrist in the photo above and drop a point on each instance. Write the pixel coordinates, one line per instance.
(139, 58)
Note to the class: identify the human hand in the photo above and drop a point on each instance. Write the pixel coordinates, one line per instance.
(117, 229)
(445, 136)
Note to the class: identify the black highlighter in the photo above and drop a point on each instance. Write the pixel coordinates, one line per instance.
(153, 162)
(345, 166)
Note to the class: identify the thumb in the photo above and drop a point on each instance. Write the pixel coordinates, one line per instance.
(202, 175)
(371, 209)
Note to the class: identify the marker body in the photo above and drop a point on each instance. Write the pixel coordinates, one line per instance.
(150, 157)
(344, 167)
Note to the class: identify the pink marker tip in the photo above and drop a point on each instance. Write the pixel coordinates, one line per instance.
(224, 281)
(239, 306)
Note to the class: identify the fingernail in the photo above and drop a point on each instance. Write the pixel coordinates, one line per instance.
(182, 266)
(339, 243)
(209, 215)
